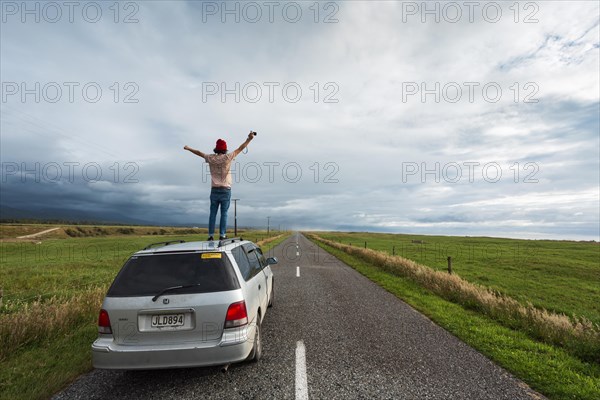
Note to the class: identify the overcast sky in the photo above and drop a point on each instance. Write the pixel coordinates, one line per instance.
(465, 119)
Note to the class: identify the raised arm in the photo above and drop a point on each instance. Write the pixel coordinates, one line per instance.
(196, 152)
(245, 144)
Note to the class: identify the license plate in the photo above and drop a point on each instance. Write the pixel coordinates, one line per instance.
(170, 320)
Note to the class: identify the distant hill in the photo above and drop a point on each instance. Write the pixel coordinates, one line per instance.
(61, 214)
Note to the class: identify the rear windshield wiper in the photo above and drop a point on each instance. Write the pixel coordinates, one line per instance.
(173, 288)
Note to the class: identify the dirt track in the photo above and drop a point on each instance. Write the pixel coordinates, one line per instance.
(34, 235)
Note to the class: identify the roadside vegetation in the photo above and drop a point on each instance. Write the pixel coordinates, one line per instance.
(557, 354)
(52, 290)
(559, 276)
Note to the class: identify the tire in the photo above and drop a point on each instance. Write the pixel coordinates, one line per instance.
(256, 353)
(272, 297)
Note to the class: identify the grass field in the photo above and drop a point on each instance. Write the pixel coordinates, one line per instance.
(559, 276)
(12, 231)
(52, 290)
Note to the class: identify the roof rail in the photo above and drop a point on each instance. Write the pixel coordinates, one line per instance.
(163, 243)
(225, 242)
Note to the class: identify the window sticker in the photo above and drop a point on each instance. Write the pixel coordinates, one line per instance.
(205, 256)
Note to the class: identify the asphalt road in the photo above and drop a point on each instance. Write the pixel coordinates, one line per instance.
(332, 334)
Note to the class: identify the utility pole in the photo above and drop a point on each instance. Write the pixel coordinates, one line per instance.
(235, 217)
(268, 225)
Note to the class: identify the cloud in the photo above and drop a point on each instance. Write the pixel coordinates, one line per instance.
(352, 154)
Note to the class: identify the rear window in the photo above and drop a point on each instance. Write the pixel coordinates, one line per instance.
(148, 275)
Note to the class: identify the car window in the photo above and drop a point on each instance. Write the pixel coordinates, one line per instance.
(261, 257)
(242, 261)
(149, 274)
(253, 258)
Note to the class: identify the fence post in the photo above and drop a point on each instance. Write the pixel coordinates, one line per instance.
(365, 245)
(393, 250)
(450, 265)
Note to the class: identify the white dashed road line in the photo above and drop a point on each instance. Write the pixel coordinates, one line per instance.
(301, 382)
(297, 272)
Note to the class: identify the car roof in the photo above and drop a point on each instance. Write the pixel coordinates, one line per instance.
(214, 245)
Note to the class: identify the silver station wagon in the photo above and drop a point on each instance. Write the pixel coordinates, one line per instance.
(186, 304)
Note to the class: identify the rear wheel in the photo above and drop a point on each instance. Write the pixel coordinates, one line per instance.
(272, 296)
(256, 353)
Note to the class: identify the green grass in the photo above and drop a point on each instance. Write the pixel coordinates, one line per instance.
(559, 276)
(56, 271)
(547, 369)
(42, 369)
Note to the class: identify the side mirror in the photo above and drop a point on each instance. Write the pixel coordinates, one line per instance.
(272, 260)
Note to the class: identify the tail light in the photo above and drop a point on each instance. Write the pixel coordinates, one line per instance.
(236, 315)
(104, 322)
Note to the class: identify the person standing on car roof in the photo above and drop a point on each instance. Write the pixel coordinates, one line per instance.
(220, 194)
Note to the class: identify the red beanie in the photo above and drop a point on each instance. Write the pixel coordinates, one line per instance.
(221, 145)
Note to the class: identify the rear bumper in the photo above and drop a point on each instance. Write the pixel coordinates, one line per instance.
(235, 345)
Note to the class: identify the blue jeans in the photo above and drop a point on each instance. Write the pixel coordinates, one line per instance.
(219, 198)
